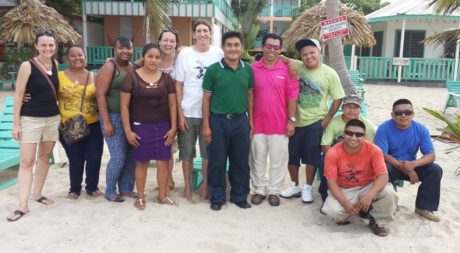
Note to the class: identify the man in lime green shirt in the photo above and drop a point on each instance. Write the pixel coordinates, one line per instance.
(318, 83)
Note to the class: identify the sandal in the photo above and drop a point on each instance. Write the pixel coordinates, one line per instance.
(72, 195)
(45, 201)
(139, 204)
(15, 218)
(116, 199)
(95, 193)
(167, 201)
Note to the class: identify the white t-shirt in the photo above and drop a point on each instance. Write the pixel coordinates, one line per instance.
(190, 68)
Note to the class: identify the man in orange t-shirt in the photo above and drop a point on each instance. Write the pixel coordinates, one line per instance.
(358, 181)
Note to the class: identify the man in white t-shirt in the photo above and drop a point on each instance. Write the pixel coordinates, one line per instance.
(190, 67)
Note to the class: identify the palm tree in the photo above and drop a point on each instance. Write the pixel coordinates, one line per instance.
(337, 60)
(445, 6)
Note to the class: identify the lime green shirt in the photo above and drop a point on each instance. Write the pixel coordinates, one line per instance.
(229, 87)
(315, 88)
(333, 132)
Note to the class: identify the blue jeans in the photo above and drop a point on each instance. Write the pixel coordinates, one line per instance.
(230, 138)
(85, 155)
(120, 169)
(429, 191)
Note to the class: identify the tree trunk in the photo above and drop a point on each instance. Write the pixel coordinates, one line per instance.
(337, 60)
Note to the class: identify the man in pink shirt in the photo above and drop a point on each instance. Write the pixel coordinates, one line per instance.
(275, 100)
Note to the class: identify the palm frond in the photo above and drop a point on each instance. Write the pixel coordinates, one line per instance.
(452, 131)
(156, 15)
(446, 37)
(445, 6)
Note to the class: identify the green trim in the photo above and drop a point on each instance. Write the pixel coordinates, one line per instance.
(401, 16)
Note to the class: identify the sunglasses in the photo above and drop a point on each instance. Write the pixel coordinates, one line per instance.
(167, 29)
(41, 32)
(270, 46)
(406, 112)
(351, 133)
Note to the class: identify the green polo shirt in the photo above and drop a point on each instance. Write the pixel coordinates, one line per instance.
(229, 87)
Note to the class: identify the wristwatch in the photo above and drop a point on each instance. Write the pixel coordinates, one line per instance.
(292, 119)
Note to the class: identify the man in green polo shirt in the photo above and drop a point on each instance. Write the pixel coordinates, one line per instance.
(227, 123)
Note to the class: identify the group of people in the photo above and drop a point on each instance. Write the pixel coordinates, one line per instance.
(271, 114)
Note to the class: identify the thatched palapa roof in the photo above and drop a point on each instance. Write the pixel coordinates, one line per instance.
(20, 24)
(307, 25)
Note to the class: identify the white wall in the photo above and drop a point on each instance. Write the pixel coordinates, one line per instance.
(95, 32)
(431, 27)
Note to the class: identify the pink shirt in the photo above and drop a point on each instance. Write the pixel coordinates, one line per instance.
(273, 88)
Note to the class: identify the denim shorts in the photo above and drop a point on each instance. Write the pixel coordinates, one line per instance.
(304, 145)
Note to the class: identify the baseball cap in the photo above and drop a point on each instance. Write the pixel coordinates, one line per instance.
(352, 99)
(307, 42)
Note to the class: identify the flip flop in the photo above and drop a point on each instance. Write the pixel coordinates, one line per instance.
(17, 212)
(117, 199)
(95, 193)
(45, 201)
(139, 204)
(167, 201)
(73, 195)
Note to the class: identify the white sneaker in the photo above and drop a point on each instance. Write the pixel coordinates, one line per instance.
(307, 194)
(292, 191)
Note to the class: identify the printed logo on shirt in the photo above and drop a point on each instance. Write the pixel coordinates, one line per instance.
(280, 77)
(352, 174)
(310, 94)
(201, 67)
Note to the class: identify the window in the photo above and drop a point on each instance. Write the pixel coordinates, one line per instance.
(412, 46)
(376, 50)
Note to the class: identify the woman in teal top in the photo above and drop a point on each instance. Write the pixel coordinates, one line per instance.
(120, 169)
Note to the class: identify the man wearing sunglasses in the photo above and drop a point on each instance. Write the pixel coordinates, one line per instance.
(333, 134)
(358, 181)
(400, 138)
(275, 100)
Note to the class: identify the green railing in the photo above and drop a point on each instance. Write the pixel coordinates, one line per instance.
(278, 11)
(97, 55)
(430, 69)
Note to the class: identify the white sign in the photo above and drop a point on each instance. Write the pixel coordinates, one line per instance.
(401, 61)
(334, 27)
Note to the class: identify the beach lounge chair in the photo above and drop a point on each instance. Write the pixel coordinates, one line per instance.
(453, 98)
(197, 173)
(357, 82)
(9, 149)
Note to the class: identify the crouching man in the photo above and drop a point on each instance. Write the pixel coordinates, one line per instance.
(358, 181)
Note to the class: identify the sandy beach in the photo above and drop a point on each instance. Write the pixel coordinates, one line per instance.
(96, 225)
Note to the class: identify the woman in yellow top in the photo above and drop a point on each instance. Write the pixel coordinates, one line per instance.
(87, 153)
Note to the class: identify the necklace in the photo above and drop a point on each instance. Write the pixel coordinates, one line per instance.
(153, 85)
(48, 69)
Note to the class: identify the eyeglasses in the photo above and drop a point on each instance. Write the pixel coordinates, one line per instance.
(41, 32)
(406, 112)
(351, 133)
(270, 46)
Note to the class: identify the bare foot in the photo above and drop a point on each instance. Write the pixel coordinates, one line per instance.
(188, 196)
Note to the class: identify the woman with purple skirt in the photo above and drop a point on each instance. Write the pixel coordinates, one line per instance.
(148, 111)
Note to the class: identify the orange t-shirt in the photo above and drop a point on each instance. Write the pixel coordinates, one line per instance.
(351, 170)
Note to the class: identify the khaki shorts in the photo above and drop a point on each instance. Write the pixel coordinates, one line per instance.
(39, 129)
(187, 140)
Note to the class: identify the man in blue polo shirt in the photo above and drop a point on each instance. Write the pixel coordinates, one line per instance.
(227, 123)
(400, 138)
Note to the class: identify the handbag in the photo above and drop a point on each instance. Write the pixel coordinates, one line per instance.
(76, 128)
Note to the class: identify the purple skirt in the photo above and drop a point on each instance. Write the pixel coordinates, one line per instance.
(152, 144)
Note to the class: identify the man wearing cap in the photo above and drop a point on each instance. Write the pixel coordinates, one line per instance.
(333, 134)
(317, 84)
(275, 99)
(358, 181)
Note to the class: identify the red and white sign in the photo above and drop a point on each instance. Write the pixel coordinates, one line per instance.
(334, 27)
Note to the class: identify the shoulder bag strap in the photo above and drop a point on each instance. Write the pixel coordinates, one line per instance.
(46, 76)
(84, 91)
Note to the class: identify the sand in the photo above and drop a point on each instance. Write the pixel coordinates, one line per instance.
(96, 225)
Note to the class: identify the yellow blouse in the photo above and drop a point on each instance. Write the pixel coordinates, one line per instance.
(70, 99)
